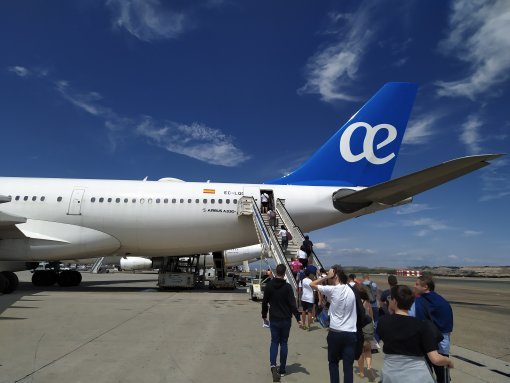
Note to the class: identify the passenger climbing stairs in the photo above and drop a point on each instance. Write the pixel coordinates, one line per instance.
(269, 239)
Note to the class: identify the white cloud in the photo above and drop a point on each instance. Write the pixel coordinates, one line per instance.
(356, 251)
(148, 20)
(19, 70)
(420, 129)
(426, 226)
(470, 135)
(496, 180)
(331, 69)
(480, 36)
(412, 208)
(472, 233)
(196, 141)
(320, 245)
(453, 256)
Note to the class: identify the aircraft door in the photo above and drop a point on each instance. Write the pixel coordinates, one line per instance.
(75, 203)
(252, 191)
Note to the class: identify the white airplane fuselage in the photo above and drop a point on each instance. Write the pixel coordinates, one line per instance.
(79, 218)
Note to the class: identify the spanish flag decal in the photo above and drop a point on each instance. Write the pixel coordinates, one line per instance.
(209, 191)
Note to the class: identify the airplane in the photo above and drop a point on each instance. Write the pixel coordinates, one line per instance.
(49, 219)
(231, 257)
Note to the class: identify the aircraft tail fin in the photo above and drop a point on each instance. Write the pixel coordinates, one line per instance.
(363, 151)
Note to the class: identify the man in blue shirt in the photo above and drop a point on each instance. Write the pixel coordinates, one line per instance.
(432, 306)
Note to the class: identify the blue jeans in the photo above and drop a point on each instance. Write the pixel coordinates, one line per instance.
(280, 330)
(341, 346)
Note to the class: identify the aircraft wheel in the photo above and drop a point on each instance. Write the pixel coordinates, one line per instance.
(12, 280)
(77, 277)
(65, 279)
(44, 278)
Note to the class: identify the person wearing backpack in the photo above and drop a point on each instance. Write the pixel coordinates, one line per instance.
(373, 294)
(431, 306)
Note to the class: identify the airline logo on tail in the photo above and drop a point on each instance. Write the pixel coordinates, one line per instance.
(368, 143)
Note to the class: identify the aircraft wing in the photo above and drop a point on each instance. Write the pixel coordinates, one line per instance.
(397, 190)
(8, 229)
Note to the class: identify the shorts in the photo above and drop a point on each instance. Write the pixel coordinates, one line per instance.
(307, 306)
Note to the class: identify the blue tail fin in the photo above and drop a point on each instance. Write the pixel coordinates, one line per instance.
(364, 150)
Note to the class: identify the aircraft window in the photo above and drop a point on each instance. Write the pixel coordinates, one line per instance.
(34, 198)
(174, 200)
(109, 200)
(165, 200)
(117, 200)
(59, 199)
(158, 200)
(133, 200)
(25, 198)
(93, 199)
(101, 199)
(17, 198)
(126, 200)
(227, 201)
(220, 201)
(189, 200)
(205, 200)
(142, 200)
(197, 201)
(149, 200)
(212, 201)
(181, 200)
(43, 198)
(234, 201)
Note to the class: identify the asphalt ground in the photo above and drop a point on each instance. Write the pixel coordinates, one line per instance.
(120, 328)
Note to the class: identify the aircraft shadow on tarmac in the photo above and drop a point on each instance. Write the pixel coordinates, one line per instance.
(26, 289)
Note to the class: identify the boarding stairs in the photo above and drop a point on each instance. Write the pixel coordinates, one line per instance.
(295, 231)
(97, 265)
(268, 239)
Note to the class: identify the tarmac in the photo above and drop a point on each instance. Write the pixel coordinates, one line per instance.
(121, 328)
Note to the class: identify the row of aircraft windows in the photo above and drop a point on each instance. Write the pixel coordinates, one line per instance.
(34, 198)
(134, 200)
(159, 200)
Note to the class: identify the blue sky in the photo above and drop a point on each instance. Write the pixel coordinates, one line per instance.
(246, 91)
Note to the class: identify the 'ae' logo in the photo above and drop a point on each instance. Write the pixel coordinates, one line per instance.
(368, 143)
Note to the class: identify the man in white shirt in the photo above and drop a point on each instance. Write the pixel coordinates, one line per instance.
(307, 300)
(342, 326)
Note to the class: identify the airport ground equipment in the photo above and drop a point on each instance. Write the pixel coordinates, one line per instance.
(177, 272)
(97, 265)
(222, 279)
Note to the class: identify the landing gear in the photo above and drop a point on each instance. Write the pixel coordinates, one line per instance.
(69, 278)
(8, 282)
(65, 278)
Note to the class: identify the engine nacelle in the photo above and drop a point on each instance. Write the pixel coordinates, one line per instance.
(135, 263)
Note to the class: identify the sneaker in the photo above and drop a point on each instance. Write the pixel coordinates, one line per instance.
(276, 376)
(281, 372)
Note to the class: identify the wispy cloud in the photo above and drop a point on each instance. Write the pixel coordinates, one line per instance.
(333, 67)
(412, 208)
(24, 72)
(470, 134)
(496, 180)
(421, 129)
(472, 233)
(19, 70)
(426, 225)
(480, 36)
(148, 20)
(196, 141)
